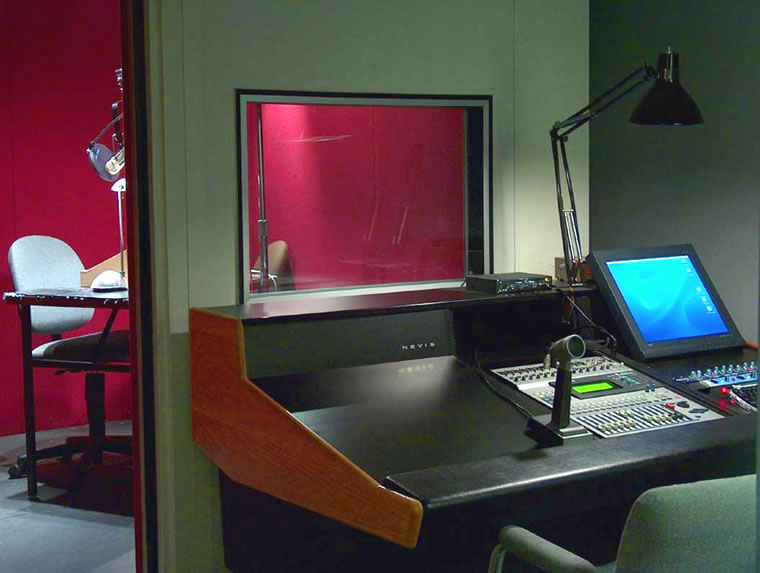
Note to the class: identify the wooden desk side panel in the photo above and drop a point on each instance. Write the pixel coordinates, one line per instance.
(110, 264)
(261, 445)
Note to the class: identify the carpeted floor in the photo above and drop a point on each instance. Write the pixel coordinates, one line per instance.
(88, 531)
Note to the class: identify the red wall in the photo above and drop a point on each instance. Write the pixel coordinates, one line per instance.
(57, 84)
(362, 195)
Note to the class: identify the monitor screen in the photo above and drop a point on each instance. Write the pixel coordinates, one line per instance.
(663, 301)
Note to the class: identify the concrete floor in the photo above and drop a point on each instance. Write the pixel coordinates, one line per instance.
(40, 537)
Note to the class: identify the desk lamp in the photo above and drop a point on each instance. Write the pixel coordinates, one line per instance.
(119, 188)
(107, 165)
(104, 161)
(666, 103)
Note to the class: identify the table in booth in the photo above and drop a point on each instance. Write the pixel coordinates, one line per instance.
(84, 297)
(371, 411)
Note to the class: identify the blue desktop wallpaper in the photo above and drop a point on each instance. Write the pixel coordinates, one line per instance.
(667, 298)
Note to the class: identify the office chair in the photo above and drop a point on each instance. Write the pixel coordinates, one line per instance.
(280, 275)
(36, 262)
(707, 525)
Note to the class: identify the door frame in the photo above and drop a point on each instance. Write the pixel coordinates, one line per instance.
(138, 207)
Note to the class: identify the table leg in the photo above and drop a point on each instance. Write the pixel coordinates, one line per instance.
(25, 314)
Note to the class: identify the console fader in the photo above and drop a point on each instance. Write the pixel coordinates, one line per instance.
(609, 398)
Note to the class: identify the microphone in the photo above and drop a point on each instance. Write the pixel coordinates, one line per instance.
(556, 428)
(562, 353)
(566, 349)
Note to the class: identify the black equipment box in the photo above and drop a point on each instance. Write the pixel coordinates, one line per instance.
(508, 282)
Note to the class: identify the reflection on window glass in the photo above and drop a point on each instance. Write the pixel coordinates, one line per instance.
(359, 195)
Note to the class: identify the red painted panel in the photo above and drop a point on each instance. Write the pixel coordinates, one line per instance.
(11, 392)
(362, 195)
(56, 90)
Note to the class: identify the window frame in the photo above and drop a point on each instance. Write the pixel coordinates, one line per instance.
(474, 105)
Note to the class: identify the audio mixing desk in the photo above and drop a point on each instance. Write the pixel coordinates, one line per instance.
(610, 398)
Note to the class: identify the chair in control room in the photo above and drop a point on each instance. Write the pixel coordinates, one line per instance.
(280, 272)
(38, 262)
(707, 525)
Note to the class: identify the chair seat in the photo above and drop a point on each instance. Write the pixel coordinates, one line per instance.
(82, 348)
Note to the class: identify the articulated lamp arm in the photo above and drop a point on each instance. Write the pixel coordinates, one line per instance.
(568, 221)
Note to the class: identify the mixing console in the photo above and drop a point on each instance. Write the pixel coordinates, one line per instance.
(722, 374)
(736, 381)
(609, 398)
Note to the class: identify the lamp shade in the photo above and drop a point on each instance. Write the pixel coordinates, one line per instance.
(667, 103)
(100, 159)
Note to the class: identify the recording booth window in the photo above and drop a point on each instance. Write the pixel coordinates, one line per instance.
(347, 191)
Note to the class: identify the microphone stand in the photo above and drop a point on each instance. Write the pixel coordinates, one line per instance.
(557, 428)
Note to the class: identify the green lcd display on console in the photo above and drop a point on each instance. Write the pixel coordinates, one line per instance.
(591, 387)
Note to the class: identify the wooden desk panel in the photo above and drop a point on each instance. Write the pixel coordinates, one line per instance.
(259, 444)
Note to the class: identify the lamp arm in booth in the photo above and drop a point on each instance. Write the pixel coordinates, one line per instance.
(568, 221)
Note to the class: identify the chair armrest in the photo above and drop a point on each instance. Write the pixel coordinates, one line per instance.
(536, 551)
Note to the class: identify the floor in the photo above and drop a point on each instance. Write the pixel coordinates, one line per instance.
(48, 536)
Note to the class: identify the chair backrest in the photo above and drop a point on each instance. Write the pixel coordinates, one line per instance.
(707, 525)
(279, 264)
(38, 261)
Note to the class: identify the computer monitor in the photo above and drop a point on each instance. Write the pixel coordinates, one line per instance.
(663, 301)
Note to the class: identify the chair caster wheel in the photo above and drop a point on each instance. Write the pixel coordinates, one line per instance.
(17, 471)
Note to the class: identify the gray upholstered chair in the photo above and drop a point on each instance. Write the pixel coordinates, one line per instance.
(40, 262)
(702, 526)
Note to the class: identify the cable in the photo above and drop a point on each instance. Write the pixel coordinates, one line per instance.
(483, 375)
(102, 131)
(611, 341)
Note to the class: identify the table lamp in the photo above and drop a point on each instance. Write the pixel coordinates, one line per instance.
(666, 103)
(107, 164)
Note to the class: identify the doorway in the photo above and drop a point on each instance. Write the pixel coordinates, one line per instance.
(57, 91)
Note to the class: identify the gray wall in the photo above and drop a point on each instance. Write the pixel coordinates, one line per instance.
(201, 51)
(664, 185)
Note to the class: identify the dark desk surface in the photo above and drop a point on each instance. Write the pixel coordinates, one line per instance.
(404, 416)
(75, 297)
(431, 429)
(276, 309)
(698, 451)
